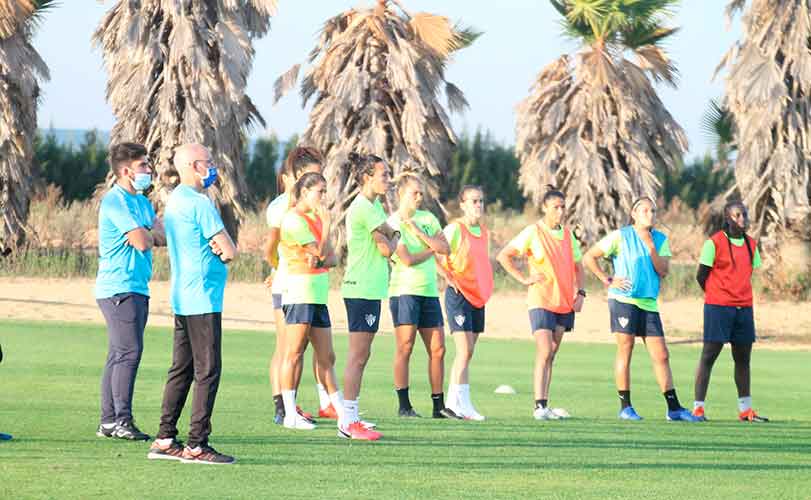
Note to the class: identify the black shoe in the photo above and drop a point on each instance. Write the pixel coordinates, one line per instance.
(105, 432)
(125, 429)
(446, 413)
(408, 412)
(171, 451)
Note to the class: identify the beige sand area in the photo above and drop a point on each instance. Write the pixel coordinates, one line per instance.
(783, 325)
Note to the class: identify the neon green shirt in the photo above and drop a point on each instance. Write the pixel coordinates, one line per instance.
(420, 279)
(528, 239)
(707, 256)
(611, 246)
(302, 288)
(367, 271)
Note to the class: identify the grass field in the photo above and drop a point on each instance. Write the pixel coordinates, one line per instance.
(49, 399)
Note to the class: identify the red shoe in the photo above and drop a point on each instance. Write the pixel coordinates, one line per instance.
(328, 412)
(750, 416)
(699, 413)
(303, 414)
(356, 430)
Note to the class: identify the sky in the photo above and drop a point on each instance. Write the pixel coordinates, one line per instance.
(520, 38)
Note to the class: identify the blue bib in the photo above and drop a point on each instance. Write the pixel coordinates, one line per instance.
(634, 263)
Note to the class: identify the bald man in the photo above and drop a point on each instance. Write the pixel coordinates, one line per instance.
(199, 248)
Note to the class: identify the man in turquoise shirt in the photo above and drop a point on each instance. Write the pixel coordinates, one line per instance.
(199, 247)
(128, 229)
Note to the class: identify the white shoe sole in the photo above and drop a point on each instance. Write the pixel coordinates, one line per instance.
(202, 462)
(159, 456)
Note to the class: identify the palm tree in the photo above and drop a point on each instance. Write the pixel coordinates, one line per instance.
(768, 82)
(21, 71)
(376, 77)
(593, 124)
(177, 74)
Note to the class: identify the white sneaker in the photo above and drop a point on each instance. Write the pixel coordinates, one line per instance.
(298, 422)
(544, 414)
(470, 413)
(561, 413)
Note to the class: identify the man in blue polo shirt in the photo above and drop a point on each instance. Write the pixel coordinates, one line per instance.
(128, 229)
(199, 247)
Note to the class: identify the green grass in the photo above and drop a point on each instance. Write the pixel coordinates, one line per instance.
(49, 398)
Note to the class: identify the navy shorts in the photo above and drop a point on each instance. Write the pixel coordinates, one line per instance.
(424, 312)
(462, 316)
(277, 301)
(362, 315)
(729, 324)
(631, 320)
(316, 315)
(543, 319)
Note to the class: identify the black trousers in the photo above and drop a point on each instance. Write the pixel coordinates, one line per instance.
(196, 356)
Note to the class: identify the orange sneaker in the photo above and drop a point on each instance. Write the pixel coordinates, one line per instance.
(356, 430)
(328, 412)
(303, 414)
(750, 416)
(699, 413)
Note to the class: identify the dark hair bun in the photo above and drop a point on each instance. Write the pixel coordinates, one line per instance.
(354, 157)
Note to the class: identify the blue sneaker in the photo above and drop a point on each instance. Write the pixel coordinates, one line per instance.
(682, 414)
(5, 437)
(629, 414)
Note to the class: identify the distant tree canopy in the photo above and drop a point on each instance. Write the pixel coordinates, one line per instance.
(697, 182)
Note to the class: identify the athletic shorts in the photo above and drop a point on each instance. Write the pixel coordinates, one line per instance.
(424, 312)
(544, 319)
(729, 324)
(316, 315)
(631, 320)
(277, 301)
(462, 316)
(362, 315)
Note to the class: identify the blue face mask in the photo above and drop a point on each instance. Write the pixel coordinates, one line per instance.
(209, 179)
(142, 182)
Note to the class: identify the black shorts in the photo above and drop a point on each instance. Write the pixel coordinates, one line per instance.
(731, 324)
(462, 316)
(423, 312)
(315, 315)
(362, 315)
(277, 301)
(631, 320)
(544, 319)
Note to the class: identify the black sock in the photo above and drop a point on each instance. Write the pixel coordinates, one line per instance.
(439, 401)
(541, 403)
(672, 400)
(402, 396)
(625, 399)
(279, 403)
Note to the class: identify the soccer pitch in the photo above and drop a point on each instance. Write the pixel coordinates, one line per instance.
(49, 386)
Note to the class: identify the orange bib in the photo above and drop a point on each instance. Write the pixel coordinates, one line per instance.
(555, 292)
(295, 256)
(469, 266)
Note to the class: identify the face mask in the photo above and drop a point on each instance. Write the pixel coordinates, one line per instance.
(209, 179)
(141, 182)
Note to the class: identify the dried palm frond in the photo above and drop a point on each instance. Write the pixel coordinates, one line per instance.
(768, 84)
(593, 125)
(177, 74)
(21, 71)
(376, 78)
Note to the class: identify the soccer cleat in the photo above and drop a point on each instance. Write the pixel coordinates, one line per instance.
(5, 437)
(278, 418)
(629, 414)
(305, 415)
(698, 412)
(368, 425)
(750, 416)
(171, 451)
(472, 414)
(125, 429)
(298, 422)
(446, 413)
(357, 431)
(682, 414)
(328, 412)
(544, 414)
(205, 455)
(408, 412)
(561, 413)
(105, 430)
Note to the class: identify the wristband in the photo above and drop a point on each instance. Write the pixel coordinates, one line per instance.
(610, 280)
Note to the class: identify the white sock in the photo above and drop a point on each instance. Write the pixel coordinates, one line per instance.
(337, 400)
(289, 399)
(164, 441)
(453, 396)
(698, 404)
(464, 395)
(744, 403)
(323, 397)
(351, 412)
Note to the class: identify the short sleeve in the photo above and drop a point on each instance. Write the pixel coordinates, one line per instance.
(756, 262)
(275, 212)
(434, 225)
(577, 251)
(664, 250)
(610, 244)
(523, 241)
(208, 218)
(116, 210)
(151, 212)
(707, 257)
(372, 217)
(295, 229)
(453, 233)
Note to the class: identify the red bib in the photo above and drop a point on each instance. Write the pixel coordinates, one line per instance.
(730, 282)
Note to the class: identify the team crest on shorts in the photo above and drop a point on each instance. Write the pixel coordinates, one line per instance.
(460, 319)
(623, 321)
(370, 319)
